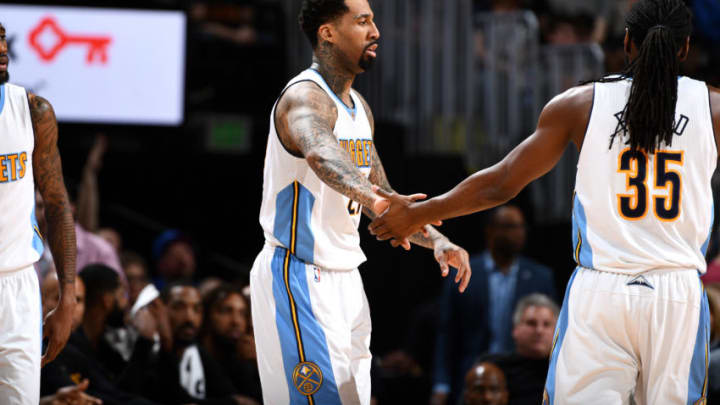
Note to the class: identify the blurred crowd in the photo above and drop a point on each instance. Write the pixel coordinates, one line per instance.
(603, 22)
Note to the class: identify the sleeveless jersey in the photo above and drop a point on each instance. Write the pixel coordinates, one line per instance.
(20, 241)
(299, 211)
(652, 211)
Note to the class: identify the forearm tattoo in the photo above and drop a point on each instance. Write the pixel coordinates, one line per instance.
(47, 171)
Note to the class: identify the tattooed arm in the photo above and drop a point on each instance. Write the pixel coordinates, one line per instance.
(304, 119)
(446, 252)
(47, 171)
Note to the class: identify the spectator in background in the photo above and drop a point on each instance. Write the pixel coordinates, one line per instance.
(175, 258)
(526, 368)
(77, 373)
(72, 393)
(227, 337)
(186, 372)
(136, 274)
(485, 385)
(480, 320)
(50, 291)
(112, 237)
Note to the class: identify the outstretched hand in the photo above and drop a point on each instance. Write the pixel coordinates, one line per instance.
(399, 221)
(449, 254)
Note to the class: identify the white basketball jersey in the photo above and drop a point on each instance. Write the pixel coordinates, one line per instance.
(20, 242)
(299, 211)
(633, 214)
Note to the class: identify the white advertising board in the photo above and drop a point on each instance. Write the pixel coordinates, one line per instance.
(100, 65)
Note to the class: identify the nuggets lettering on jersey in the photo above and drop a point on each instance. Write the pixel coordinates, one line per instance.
(20, 241)
(646, 211)
(13, 166)
(299, 211)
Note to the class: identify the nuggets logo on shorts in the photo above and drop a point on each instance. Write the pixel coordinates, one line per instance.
(307, 378)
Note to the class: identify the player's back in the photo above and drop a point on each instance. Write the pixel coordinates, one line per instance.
(637, 212)
(20, 243)
(299, 211)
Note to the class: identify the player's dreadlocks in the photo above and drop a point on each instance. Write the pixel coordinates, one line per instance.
(659, 28)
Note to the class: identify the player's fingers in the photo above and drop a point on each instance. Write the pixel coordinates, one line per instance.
(418, 197)
(382, 193)
(437, 223)
(383, 236)
(467, 273)
(376, 226)
(83, 385)
(444, 269)
(425, 231)
(406, 244)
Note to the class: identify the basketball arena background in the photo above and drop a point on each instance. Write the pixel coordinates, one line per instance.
(183, 92)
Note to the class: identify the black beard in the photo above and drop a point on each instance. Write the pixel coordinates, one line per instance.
(366, 64)
(4, 77)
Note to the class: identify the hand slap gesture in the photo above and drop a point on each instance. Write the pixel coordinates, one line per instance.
(399, 221)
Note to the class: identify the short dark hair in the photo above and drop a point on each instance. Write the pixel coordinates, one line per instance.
(99, 280)
(215, 297)
(165, 293)
(314, 13)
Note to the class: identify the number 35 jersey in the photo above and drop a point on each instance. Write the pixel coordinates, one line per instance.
(638, 212)
(299, 211)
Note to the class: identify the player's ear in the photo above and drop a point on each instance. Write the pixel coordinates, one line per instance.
(627, 43)
(326, 33)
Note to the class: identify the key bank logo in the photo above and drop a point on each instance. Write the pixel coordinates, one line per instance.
(48, 39)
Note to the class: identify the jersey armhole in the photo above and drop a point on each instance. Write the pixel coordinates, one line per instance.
(590, 115)
(274, 118)
(712, 123)
(32, 125)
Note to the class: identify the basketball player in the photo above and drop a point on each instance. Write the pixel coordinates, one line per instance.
(635, 317)
(310, 314)
(29, 158)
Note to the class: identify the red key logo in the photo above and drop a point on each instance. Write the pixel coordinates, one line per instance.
(97, 45)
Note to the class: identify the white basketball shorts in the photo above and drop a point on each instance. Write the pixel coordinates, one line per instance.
(312, 332)
(622, 336)
(20, 337)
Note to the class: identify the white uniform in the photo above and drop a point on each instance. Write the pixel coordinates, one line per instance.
(635, 320)
(20, 247)
(310, 313)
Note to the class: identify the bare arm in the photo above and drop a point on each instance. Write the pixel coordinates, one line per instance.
(564, 119)
(47, 170)
(446, 253)
(305, 117)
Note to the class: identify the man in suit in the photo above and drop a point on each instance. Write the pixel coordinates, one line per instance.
(480, 320)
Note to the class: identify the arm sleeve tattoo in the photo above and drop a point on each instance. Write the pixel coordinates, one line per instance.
(47, 171)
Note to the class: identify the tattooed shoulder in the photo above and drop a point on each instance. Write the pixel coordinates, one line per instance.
(43, 118)
(303, 114)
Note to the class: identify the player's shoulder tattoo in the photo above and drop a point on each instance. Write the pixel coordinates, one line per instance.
(305, 117)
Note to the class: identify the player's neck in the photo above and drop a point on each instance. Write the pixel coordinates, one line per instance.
(327, 63)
